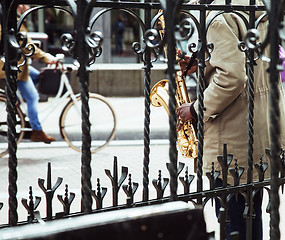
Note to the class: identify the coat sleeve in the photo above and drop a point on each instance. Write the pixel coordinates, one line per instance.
(38, 54)
(41, 55)
(228, 69)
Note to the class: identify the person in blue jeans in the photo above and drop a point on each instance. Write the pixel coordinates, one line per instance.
(28, 91)
(34, 74)
(27, 88)
(30, 94)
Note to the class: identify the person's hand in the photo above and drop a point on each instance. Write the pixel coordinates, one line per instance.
(53, 61)
(183, 114)
(184, 63)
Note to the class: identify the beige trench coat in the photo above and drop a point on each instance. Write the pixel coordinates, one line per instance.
(226, 96)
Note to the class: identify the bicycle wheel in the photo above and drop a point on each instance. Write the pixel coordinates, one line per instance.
(102, 119)
(4, 127)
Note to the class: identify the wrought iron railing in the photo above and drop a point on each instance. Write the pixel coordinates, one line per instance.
(84, 43)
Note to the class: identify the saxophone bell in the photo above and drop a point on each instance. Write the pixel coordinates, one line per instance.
(159, 94)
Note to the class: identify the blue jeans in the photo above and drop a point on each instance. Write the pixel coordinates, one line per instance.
(34, 74)
(235, 214)
(31, 96)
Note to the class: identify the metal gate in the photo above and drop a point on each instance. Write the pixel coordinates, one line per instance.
(83, 42)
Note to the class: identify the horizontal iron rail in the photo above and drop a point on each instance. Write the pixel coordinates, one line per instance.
(205, 194)
(152, 5)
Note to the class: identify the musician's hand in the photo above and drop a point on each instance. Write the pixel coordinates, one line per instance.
(184, 63)
(183, 114)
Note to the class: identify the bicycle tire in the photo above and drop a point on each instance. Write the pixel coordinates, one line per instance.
(102, 129)
(20, 124)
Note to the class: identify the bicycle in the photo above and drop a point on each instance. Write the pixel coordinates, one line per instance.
(102, 117)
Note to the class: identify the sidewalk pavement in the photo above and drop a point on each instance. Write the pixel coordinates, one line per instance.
(130, 119)
(66, 163)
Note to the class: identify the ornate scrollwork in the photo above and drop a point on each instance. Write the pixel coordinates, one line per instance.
(140, 49)
(251, 39)
(68, 42)
(242, 46)
(192, 47)
(24, 49)
(209, 49)
(151, 39)
(184, 30)
(28, 49)
(156, 40)
(94, 41)
(251, 42)
(94, 53)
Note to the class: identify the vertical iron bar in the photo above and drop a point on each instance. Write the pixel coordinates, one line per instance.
(115, 185)
(9, 27)
(147, 80)
(49, 194)
(200, 126)
(274, 23)
(250, 100)
(82, 53)
(171, 56)
(250, 75)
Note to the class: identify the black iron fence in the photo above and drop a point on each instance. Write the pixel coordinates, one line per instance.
(85, 46)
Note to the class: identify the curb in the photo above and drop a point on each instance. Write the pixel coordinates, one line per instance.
(62, 144)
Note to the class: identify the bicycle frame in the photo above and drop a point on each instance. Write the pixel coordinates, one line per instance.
(55, 103)
(70, 118)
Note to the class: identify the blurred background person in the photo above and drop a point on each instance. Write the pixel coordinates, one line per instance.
(119, 29)
(27, 88)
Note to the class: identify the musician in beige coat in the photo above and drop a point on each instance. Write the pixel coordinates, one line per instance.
(226, 102)
(28, 91)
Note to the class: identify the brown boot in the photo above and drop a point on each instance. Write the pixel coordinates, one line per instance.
(41, 136)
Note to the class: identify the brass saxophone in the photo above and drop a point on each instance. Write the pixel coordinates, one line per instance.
(187, 136)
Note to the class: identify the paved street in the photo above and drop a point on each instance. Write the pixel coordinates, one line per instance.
(65, 162)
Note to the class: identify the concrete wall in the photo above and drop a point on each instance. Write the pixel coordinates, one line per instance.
(119, 79)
